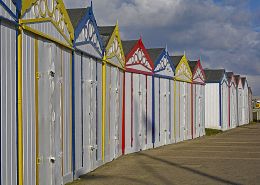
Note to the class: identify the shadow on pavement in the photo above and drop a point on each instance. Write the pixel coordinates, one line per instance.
(212, 177)
(130, 179)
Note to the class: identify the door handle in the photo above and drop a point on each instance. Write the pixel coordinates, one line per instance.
(52, 160)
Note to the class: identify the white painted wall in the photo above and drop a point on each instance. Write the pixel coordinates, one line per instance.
(212, 118)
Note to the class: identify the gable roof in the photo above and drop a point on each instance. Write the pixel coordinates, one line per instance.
(229, 75)
(154, 53)
(106, 33)
(192, 65)
(176, 60)
(237, 78)
(63, 24)
(214, 75)
(250, 90)
(128, 45)
(76, 15)
(243, 79)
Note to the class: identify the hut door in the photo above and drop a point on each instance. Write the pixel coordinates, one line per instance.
(136, 111)
(116, 113)
(199, 112)
(141, 112)
(224, 106)
(49, 83)
(89, 112)
(168, 114)
(235, 108)
(184, 131)
(164, 111)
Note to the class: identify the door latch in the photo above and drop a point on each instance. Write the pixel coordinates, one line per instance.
(52, 74)
(93, 147)
(52, 160)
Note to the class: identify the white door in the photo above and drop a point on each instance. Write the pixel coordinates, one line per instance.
(117, 112)
(200, 112)
(137, 104)
(89, 112)
(184, 130)
(143, 112)
(113, 112)
(156, 112)
(163, 110)
(168, 112)
(141, 116)
(50, 117)
(128, 112)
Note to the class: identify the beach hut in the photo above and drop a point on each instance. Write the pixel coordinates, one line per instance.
(250, 106)
(239, 99)
(182, 98)
(245, 109)
(45, 96)
(8, 90)
(87, 91)
(198, 99)
(216, 99)
(138, 97)
(113, 78)
(232, 99)
(163, 96)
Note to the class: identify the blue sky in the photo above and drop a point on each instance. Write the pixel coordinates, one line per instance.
(223, 33)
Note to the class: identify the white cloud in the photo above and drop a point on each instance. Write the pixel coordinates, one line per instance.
(221, 34)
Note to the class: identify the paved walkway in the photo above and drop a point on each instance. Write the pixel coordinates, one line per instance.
(232, 157)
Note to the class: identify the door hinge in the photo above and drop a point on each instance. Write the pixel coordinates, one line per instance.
(38, 75)
(39, 160)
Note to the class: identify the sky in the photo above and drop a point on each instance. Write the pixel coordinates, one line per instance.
(222, 33)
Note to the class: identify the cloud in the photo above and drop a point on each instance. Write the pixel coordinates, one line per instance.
(221, 32)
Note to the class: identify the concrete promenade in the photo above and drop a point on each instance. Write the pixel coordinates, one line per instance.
(232, 157)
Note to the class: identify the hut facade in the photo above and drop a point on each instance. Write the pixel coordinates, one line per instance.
(198, 99)
(182, 98)
(250, 106)
(8, 104)
(113, 78)
(163, 97)
(240, 96)
(45, 116)
(87, 90)
(245, 108)
(138, 97)
(232, 99)
(216, 99)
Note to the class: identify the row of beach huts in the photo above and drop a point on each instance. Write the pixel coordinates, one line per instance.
(74, 96)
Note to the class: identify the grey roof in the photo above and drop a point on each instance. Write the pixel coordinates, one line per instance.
(214, 75)
(176, 60)
(76, 15)
(229, 75)
(192, 65)
(237, 77)
(243, 79)
(154, 53)
(105, 33)
(128, 45)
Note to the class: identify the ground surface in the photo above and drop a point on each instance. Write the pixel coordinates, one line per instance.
(232, 157)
